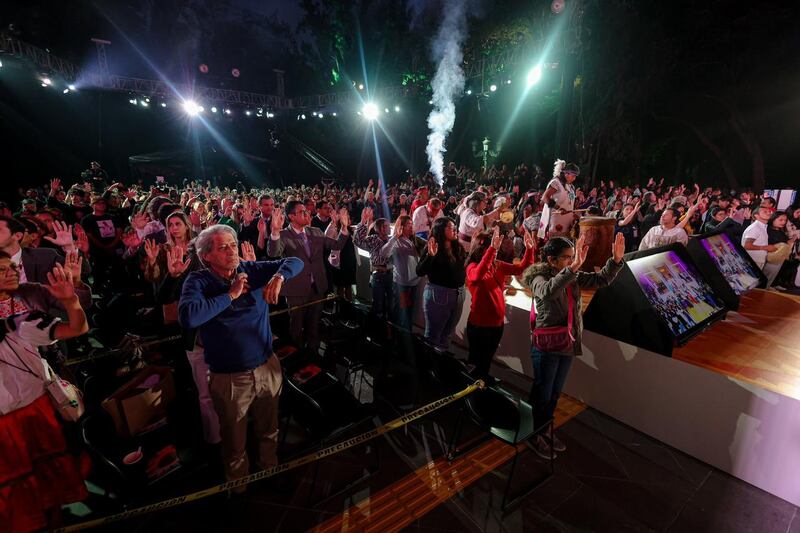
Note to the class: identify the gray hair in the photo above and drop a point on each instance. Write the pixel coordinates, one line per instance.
(205, 240)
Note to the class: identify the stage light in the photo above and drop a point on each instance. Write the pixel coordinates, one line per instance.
(493, 87)
(191, 108)
(320, 115)
(534, 76)
(430, 102)
(1, 64)
(71, 87)
(227, 111)
(370, 111)
(46, 82)
(303, 116)
(397, 109)
(163, 104)
(385, 109)
(213, 109)
(65, 91)
(270, 115)
(201, 109)
(248, 112)
(314, 113)
(508, 82)
(147, 100)
(133, 101)
(334, 113)
(145, 104)
(469, 92)
(360, 86)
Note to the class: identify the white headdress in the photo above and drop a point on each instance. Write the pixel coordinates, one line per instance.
(559, 167)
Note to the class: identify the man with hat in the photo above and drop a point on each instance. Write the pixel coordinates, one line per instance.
(755, 240)
(105, 236)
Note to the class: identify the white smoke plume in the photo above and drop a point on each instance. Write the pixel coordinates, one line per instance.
(447, 83)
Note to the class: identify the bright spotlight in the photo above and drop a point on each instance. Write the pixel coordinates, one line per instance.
(133, 101)
(44, 84)
(303, 116)
(1, 64)
(146, 104)
(493, 87)
(65, 91)
(191, 108)
(227, 111)
(397, 109)
(320, 115)
(469, 92)
(314, 113)
(147, 100)
(430, 102)
(163, 104)
(385, 109)
(534, 76)
(248, 112)
(508, 82)
(71, 87)
(370, 111)
(201, 109)
(360, 86)
(47, 81)
(213, 109)
(334, 113)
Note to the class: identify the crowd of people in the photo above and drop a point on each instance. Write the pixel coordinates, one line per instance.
(214, 259)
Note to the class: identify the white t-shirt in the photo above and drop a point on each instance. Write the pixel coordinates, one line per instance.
(422, 220)
(21, 366)
(758, 232)
(658, 236)
(470, 224)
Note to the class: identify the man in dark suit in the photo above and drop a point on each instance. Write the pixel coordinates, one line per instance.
(312, 246)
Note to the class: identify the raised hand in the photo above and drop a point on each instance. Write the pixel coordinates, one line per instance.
(239, 286)
(139, 221)
(581, 251)
(82, 240)
(248, 216)
(273, 290)
(73, 263)
(277, 221)
(398, 229)
(497, 239)
(177, 261)
(433, 247)
(618, 248)
(63, 235)
(55, 183)
(248, 252)
(344, 218)
(59, 283)
(151, 251)
(262, 226)
(529, 239)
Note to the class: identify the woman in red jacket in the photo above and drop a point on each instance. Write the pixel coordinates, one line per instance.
(486, 280)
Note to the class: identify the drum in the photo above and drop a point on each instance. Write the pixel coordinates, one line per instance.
(599, 232)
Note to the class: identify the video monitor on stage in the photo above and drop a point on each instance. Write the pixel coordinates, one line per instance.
(741, 274)
(677, 292)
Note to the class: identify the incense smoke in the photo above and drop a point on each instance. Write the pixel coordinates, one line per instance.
(447, 83)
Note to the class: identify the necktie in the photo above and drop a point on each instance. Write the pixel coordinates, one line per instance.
(306, 244)
(22, 277)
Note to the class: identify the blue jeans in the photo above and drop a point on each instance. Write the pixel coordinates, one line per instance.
(382, 288)
(550, 371)
(404, 305)
(442, 310)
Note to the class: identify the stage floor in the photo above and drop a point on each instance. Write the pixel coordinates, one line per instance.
(759, 344)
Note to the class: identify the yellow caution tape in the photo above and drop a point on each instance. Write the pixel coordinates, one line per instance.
(269, 472)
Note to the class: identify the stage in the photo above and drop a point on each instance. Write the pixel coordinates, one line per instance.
(729, 397)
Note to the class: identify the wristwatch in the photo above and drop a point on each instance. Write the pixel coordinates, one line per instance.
(279, 276)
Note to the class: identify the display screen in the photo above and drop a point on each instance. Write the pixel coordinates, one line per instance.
(737, 270)
(677, 292)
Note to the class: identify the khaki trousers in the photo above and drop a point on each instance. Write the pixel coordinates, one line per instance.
(234, 396)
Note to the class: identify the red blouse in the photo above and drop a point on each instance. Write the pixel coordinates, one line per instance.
(486, 281)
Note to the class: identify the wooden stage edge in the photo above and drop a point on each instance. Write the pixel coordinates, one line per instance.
(758, 344)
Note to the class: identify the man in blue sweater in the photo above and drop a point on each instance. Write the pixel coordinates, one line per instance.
(233, 325)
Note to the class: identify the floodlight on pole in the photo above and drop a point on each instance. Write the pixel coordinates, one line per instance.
(534, 76)
(371, 111)
(493, 87)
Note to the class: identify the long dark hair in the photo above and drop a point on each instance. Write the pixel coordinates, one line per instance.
(455, 252)
(480, 242)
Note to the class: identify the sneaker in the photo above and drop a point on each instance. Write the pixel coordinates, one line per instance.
(542, 448)
(558, 444)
